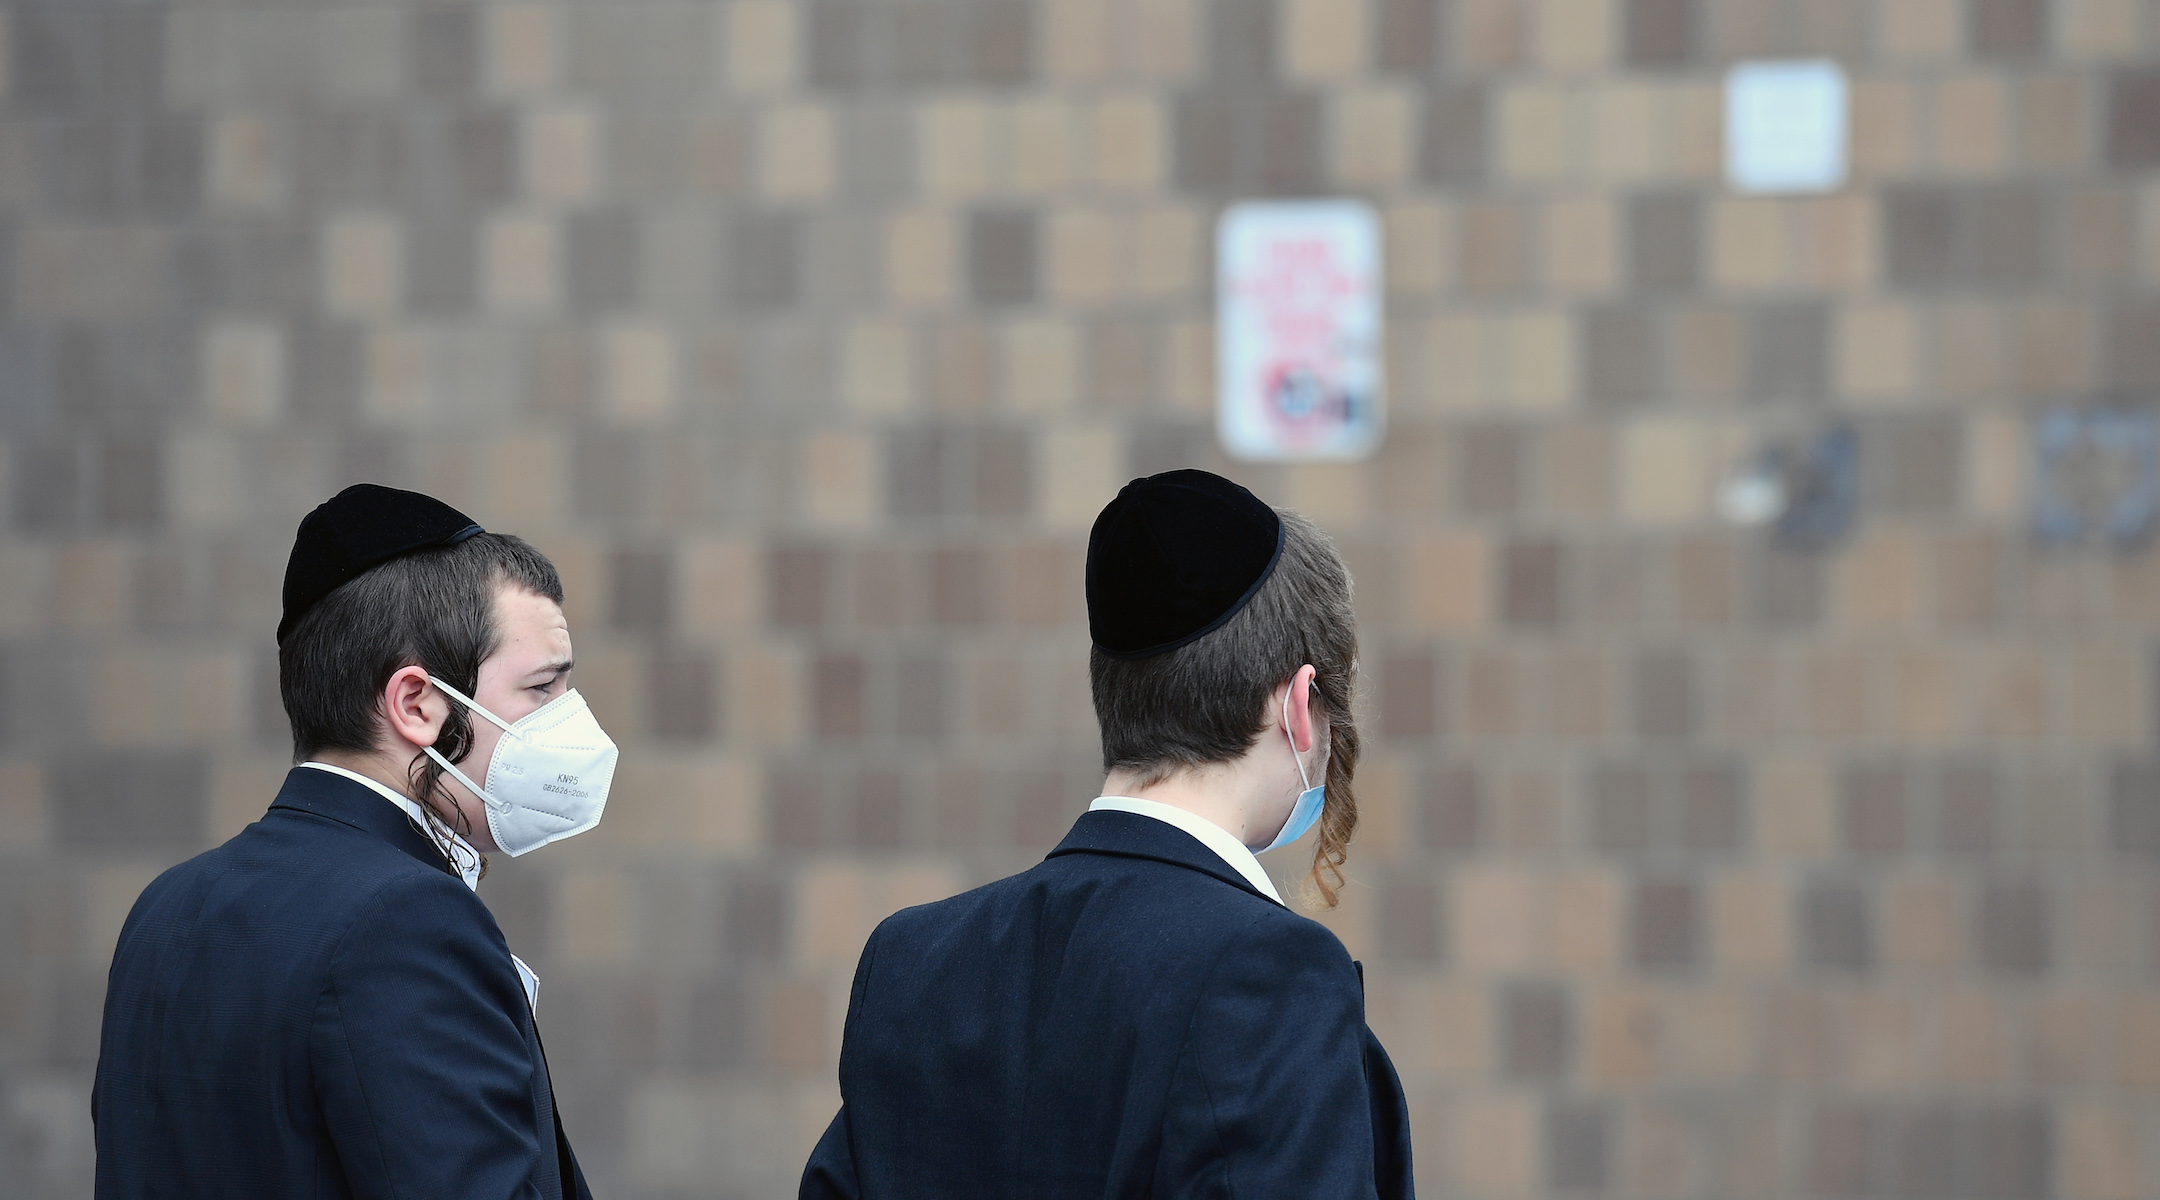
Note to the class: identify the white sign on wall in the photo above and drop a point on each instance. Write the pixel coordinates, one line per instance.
(1786, 126)
(1297, 330)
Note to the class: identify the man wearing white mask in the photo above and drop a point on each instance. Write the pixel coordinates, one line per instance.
(1140, 1014)
(322, 1006)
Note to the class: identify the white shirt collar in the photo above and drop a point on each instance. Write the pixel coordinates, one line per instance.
(1213, 836)
(459, 851)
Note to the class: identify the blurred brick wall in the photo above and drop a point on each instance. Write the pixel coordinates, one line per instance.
(808, 335)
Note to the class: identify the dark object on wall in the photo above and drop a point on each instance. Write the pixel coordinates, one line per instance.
(2096, 475)
(1810, 491)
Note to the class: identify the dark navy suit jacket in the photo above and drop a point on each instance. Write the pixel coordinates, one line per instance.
(321, 1008)
(1129, 1018)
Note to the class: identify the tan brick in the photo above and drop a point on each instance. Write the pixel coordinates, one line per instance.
(1160, 39)
(1080, 470)
(1969, 130)
(2108, 697)
(593, 920)
(2102, 1155)
(1419, 241)
(1709, 344)
(363, 259)
(243, 371)
(1880, 1050)
(561, 154)
(1975, 1039)
(519, 272)
(1371, 138)
(1189, 366)
(762, 38)
(1495, 918)
(1040, 363)
(1036, 147)
(1579, 468)
(1878, 351)
(2139, 1062)
(1884, 128)
(1493, 1150)
(795, 154)
(1448, 581)
(953, 154)
(1832, 242)
(766, 697)
(1582, 246)
(1969, 340)
(639, 374)
(1445, 1027)
(1585, 905)
(1925, 688)
(1922, 923)
(2013, 694)
(523, 48)
(1798, 816)
(2073, 1039)
(841, 902)
(246, 166)
(1623, 1035)
(2053, 120)
(1461, 355)
(400, 374)
(1322, 41)
(1877, 584)
(1664, 472)
(1629, 130)
(722, 584)
(877, 367)
(1927, 30)
(1076, 40)
(920, 258)
(1163, 258)
(841, 482)
(2054, 346)
(1748, 243)
(1712, 1040)
(1539, 361)
(1079, 256)
(1537, 129)
(1490, 33)
(1130, 146)
(2098, 29)
(1574, 35)
(1751, 928)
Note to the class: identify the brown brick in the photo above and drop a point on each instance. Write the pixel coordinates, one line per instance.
(1410, 694)
(1913, 464)
(2133, 352)
(1489, 470)
(1454, 810)
(1537, 1030)
(2134, 808)
(1665, 701)
(130, 800)
(1577, 1142)
(838, 706)
(1619, 802)
(1665, 241)
(1004, 43)
(641, 591)
(2011, 929)
(1663, 926)
(963, 367)
(1620, 355)
(1410, 921)
(1407, 35)
(1662, 33)
(2007, 30)
(1713, 810)
(2133, 119)
(1001, 257)
(1966, 800)
(1789, 352)
(1495, 251)
(1847, 1151)
(878, 799)
(800, 586)
(1836, 926)
(1452, 146)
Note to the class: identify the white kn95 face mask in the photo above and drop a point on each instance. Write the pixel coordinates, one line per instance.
(548, 778)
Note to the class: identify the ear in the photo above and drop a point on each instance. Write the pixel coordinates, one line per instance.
(414, 710)
(1299, 696)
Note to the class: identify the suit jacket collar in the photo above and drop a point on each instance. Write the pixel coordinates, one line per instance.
(1130, 835)
(339, 799)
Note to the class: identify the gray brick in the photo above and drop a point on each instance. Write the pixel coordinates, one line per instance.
(353, 158)
(1662, 33)
(800, 586)
(140, 799)
(879, 799)
(2008, 236)
(794, 808)
(645, 51)
(130, 482)
(45, 691)
(1938, 236)
(835, 51)
(26, 394)
(718, 1032)
(601, 256)
(684, 697)
(2133, 350)
(1913, 465)
(837, 703)
(1927, 1154)
(1490, 466)
(1409, 694)
(256, 267)
(2133, 119)
(1836, 927)
(1453, 136)
(75, 57)
(1407, 35)
(1847, 1151)
(2134, 808)
(641, 590)
(930, 42)
(325, 366)
(1785, 588)
(444, 55)
(1537, 1030)
(123, 377)
(2012, 929)
(1577, 1146)
(82, 163)
(609, 478)
(1410, 927)
(877, 162)
(1004, 42)
(1664, 695)
(441, 268)
(1874, 804)
(1663, 926)
(1236, 141)
(1531, 576)
(1919, 225)
(1620, 355)
(1713, 808)
(1789, 351)
(1241, 41)
(1966, 800)
(1454, 809)
(1619, 800)
(2007, 30)
(2011, 1151)
(758, 914)
(1001, 257)
(1664, 246)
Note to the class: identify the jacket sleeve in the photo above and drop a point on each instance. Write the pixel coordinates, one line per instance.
(1270, 1095)
(419, 1051)
(830, 1174)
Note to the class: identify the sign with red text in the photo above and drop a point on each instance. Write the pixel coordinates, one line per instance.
(1297, 330)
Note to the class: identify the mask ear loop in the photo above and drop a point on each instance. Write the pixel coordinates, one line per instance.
(1295, 757)
(452, 767)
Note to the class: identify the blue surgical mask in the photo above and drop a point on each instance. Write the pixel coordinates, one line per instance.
(1307, 809)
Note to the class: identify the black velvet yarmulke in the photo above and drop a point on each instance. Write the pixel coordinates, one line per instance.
(1172, 558)
(359, 527)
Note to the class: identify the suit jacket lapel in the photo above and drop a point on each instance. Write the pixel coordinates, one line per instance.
(1130, 835)
(339, 799)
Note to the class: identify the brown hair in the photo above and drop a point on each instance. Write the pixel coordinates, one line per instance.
(1207, 701)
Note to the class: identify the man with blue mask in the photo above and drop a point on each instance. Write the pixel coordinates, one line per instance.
(1141, 1014)
(322, 1006)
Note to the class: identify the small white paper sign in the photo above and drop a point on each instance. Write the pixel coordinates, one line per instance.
(1297, 330)
(1786, 126)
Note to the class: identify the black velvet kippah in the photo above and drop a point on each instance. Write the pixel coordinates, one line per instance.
(1172, 558)
(359, 527)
